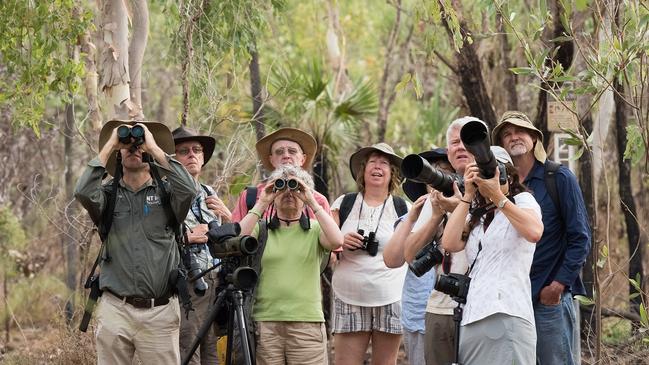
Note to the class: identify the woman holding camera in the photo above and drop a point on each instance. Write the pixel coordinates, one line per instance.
(499, 225)
(367, 293)
(287, 303)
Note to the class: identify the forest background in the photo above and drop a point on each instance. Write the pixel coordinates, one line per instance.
(352, 73)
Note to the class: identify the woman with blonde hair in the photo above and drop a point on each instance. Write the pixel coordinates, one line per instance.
(367, 293)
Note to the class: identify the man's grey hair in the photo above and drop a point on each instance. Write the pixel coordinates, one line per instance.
(458, 124)
(288, 171)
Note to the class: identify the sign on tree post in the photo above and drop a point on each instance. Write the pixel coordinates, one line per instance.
(561, 118)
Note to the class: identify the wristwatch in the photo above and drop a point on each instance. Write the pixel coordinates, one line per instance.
(501, 204)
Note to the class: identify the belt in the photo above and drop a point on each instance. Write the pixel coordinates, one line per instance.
(143, 303)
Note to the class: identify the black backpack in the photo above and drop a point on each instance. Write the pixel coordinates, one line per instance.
(348, 202)
(549, 176)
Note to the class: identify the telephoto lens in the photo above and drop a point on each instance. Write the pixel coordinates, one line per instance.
(425, 259)
(200, 285)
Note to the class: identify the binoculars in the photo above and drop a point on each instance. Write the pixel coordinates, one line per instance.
(128, 135)
(281, 184)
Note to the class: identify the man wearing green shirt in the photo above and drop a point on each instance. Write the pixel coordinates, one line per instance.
(137, 313)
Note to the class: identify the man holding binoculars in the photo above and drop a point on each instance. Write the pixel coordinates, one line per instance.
(137, 214)
(285, 146)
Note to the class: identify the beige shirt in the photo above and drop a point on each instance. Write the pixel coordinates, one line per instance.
(438, 302)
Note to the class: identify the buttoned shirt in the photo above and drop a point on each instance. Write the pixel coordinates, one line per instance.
(141, 245)
(201, 214)
(500, 281)
(561, 252)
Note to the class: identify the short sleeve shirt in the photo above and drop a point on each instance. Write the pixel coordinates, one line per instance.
(500, 281)
(361, 279)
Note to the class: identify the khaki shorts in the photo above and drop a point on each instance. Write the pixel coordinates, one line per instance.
(280, 343)
(353, 318)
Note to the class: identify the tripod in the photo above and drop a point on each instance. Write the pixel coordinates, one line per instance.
(457, 318)
(232, 297)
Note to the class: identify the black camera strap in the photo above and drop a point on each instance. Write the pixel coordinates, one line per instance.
(468, 271)
(360, 211)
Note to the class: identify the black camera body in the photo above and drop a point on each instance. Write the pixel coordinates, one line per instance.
(281, 184)
(370, 244)
(455, 285)
(134, 135)
(428, 257)
(190, 262)
(417, 168)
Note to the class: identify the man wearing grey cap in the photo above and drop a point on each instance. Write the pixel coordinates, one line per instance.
(562, 250)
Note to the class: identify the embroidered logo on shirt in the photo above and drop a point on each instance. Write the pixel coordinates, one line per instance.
(153, 200)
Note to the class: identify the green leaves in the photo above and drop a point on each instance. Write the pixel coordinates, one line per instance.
(408, 79)
(635, 148)
(585, 300)
(35, 42)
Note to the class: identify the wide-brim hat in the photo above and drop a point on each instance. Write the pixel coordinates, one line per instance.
(521, 120)
(160, 132)
(413, 189)
(184, 134)
(304, 139)
(357, 158)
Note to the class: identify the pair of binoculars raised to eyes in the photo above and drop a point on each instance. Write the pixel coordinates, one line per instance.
(128, 135)
(281, 184)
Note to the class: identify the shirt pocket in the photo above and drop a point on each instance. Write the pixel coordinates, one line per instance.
(121, 215)
(156, 223)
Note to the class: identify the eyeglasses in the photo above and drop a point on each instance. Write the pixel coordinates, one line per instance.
(185, 151)
(291, 151)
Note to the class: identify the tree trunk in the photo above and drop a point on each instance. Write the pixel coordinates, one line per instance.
(114, 56)
(590, 319)
(386, 88)
(89, 51)
(336, 51)
(510, 78)
(69, 242)
(5, 293)
(564, 55)
(187, 60)
(136, 49)
(626, 198)
(469, 72)
(256, 93)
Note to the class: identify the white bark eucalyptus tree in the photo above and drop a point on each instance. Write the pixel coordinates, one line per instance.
(121, 57)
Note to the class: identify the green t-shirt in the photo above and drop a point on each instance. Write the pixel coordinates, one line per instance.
(289, 283)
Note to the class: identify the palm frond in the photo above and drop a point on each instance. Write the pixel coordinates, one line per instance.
(362, 103)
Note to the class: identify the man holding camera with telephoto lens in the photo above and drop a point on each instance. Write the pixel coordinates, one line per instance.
(561, 251)
(138, 314)
(194, 151)
(439, 337)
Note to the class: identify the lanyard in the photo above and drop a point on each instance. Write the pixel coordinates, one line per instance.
(468, 271)
(380, 215)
